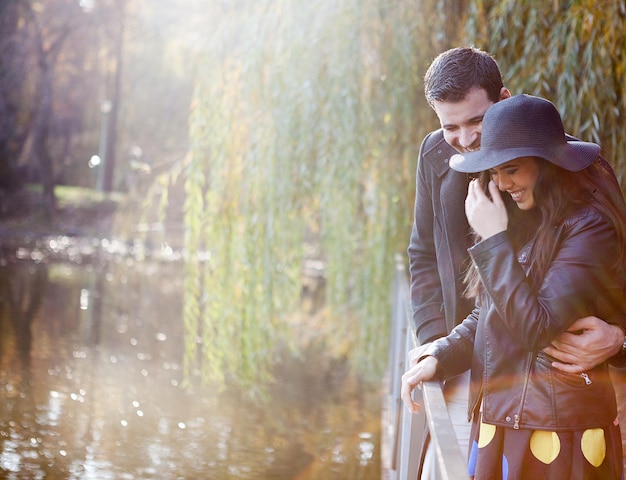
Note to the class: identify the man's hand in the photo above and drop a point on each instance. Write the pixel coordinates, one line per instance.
(587, 343)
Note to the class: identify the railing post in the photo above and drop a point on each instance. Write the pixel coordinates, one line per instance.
(404, 433)
(449, 462)
(414, 430)
(401, 428)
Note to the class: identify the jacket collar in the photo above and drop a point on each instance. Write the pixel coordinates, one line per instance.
(438, 153)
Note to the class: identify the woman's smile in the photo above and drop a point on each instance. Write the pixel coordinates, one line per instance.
(517, 195)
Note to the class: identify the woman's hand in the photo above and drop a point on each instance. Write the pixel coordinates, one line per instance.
(487, 217)
(420, 372)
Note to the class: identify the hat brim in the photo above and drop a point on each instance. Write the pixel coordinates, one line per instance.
(572, 156)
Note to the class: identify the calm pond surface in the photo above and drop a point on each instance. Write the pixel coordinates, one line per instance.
(91, 357)
(90, 365)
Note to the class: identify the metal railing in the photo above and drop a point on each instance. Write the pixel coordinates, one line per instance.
(405, 434)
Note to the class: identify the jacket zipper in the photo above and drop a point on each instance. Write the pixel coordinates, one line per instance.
(518, 415)
(586, 378)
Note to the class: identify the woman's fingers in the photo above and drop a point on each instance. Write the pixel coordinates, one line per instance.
(406, 392)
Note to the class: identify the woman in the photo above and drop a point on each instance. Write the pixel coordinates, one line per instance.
(551, 236)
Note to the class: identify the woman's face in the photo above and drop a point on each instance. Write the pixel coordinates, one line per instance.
(518, 178)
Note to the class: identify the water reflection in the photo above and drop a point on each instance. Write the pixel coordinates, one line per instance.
(90, 388)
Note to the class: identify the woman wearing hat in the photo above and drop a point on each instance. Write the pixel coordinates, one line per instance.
(550, 229)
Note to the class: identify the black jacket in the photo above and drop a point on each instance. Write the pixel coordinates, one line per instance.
(516, 384)
(439, 242)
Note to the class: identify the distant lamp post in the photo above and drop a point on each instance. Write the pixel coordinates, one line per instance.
(87, 5)
(94, 161)
(105, 109)
(93, 164)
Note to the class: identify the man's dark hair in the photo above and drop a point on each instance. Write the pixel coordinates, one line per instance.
(455, 72)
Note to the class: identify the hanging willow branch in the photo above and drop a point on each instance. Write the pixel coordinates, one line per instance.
(572, 53)
(305, 129)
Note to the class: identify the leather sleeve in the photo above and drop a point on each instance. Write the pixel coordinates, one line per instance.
(454, 351)
(582, 280)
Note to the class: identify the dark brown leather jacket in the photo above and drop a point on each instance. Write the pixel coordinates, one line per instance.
(516, 384)
(439, 241)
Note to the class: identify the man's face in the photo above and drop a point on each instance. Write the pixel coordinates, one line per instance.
(462, 121)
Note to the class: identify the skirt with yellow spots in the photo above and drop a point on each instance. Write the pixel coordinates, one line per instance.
(499, 453)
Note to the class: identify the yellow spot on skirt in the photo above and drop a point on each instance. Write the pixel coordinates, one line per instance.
(486, 434)
(545, 446)
(593, 446)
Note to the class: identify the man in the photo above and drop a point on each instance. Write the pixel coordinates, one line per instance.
(460, 85)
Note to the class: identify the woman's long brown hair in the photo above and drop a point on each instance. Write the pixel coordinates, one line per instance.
(557, 193)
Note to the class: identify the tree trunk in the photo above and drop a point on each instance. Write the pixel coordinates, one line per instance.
(41, 133)
(110, 161)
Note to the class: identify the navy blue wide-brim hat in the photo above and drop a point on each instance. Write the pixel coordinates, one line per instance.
(525, 126)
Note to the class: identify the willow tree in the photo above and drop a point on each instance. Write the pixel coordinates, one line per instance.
(573, 53)
(305, 127)
(306, 123)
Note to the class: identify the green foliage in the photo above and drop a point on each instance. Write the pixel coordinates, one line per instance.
(569, 52)
(305, 127)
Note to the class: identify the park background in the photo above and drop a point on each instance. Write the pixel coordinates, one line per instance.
(271, 145)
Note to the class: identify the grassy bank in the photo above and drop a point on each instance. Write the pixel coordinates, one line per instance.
(79, 211)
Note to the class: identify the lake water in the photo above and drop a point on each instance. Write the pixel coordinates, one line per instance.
(91, 387)
(91, 384)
